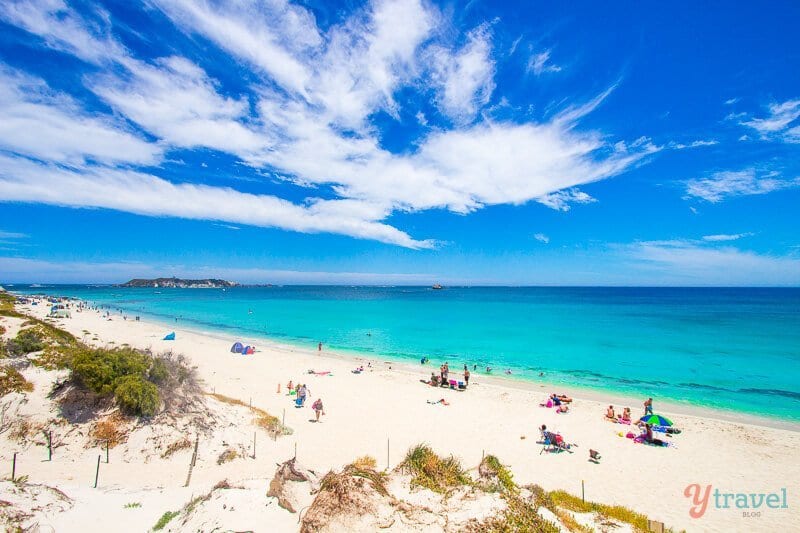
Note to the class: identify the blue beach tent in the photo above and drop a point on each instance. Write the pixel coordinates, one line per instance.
(237, 347)
(170, 336)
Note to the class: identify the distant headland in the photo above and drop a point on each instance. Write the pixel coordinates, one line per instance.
(177, 283)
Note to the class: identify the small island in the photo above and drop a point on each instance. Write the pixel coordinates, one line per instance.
(177, 283)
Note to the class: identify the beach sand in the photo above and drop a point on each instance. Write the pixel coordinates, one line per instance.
(384, 411)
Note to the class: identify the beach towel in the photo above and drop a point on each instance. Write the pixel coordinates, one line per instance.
(168, 336)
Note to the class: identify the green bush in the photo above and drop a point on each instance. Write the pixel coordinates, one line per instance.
(137, 396)
(27, 341)
(100, 369)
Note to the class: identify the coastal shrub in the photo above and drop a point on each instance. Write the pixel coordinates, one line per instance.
(616, 512)
(500, 476)
(433, 472)
(176, 446)
(2, 330)
(110, 430)
(100, 369)
(137, 396)
(164, 520)
(519, 515)
(263, 419)
(12, 381)
(159, 373)
(27, 341)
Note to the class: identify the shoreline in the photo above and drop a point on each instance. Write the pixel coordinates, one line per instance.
(604, 396)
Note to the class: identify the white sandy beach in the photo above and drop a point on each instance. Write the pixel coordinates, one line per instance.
(387, 405)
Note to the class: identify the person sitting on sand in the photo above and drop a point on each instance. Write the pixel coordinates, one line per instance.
(563, 408)
(555, 399)
(625, 417)
(610, 414)
(434, 380)
(318, 408)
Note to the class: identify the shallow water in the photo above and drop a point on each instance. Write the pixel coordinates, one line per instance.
(728, 348)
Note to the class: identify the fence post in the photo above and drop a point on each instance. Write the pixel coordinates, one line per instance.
(583, 499)
(106, 451)
(14, 468)
(97, 471)
(254, 445)
(295, 450)
(387, 453)
(196, 444)
(49, 445)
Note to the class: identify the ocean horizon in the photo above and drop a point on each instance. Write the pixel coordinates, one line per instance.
(735, 349)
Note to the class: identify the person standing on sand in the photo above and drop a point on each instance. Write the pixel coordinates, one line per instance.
(319, 347)
(318, 408)
(648, 407)
(466, 375)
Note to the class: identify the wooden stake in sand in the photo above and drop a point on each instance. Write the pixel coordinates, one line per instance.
(582, 492)
(254, 445)
(106, 451)
(97, 471)
(14, 467)
(49, 445)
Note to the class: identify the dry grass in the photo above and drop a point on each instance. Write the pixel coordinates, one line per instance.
(176, 446)
(227, 456)
(263, 419)
(366, 462)
(21, 430)
(615, 512)
(112, 429)
(12, 381)
(433, 472)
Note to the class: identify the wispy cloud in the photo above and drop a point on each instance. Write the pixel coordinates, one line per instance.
(563, 200)
(776, 125)
(12, 235)
(722, 185)
(541, 237)
(25, 270)
(692, 263)
(540, 63)
(726, 237)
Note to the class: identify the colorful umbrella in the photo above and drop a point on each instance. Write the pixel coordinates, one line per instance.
(656, 420)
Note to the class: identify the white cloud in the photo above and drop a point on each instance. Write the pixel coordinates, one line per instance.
(39, 122)
(726, 237)
(269, 35)
(736, 183)
(539, 63)
(175, 100)
(687, 262)
(63, 29)
(309, 121)
(26, 181)
(731, 101)
(776, 124)
(12, 235)
(541, 237)
(693, 144)
(562, 200)
(466, 78)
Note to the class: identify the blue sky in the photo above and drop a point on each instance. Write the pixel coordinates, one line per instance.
(400, 141)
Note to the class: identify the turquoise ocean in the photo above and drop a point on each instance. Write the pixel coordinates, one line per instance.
(736, 349)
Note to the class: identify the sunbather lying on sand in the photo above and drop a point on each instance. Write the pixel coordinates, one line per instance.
(442, 401)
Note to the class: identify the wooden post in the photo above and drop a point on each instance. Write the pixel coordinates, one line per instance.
(49, 445)
(387, 453)
(251, 402)
(196, 444)
(97, 471)
(106, 451)
(283, 420)
(14, 468)
(583, 499)
(254, 445)
(295, 450)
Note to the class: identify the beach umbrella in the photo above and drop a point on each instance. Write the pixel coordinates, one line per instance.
(656, 420)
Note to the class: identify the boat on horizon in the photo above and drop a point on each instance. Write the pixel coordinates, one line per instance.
(437, 286)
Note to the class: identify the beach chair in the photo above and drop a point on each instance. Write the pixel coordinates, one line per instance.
(453, 384)
(548, 442)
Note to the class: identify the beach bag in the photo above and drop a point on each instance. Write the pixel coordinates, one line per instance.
(549, 403)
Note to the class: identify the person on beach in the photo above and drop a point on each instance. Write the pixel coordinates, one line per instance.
(302, 393)
(648, 407)
(466, 375)
(319, 347)
(610, 414)
(625, 417)
(289, 386)
(318, 408)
